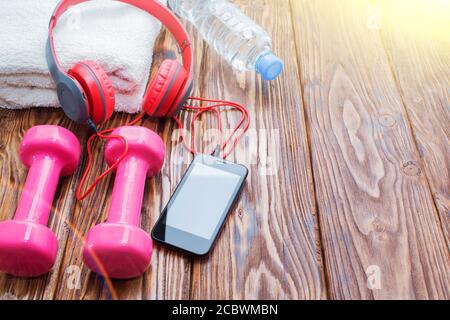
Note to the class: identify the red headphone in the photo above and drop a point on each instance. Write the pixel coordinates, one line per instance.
(85, 93)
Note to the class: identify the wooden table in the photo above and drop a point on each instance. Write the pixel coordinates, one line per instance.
(348, 192)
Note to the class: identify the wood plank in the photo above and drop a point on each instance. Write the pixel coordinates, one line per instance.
(376, 211)
(420, 57)
(269, 247)
(13, 125)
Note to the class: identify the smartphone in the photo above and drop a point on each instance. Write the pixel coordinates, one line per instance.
(197, 210)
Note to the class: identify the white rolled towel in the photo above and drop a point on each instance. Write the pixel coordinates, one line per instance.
(117, 36)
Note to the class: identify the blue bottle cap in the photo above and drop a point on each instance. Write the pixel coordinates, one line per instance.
(269, 66)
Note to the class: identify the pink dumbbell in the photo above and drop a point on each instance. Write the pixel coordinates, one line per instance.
(119, 248)
(27, 246)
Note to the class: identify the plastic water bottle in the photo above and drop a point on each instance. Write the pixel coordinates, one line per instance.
(238, 39)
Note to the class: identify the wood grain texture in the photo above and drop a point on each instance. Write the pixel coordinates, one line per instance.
(376, 212)
(420, 58)
(348, 155)
(268, 247)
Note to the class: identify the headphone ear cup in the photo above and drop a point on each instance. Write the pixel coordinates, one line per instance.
(72, 99)
(98, 89)
(164, 88)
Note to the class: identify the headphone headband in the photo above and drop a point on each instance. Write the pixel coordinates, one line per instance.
(71, 94)
(154, 8)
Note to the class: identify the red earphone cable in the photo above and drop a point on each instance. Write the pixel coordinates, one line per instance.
(245, 119)
(214, 107)
(102, 135)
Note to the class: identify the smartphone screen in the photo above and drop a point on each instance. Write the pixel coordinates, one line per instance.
(196, 211)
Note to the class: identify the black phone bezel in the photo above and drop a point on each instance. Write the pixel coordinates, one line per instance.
(188, 242)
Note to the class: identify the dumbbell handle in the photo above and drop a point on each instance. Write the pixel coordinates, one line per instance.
(128, 191)
(39, 189)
